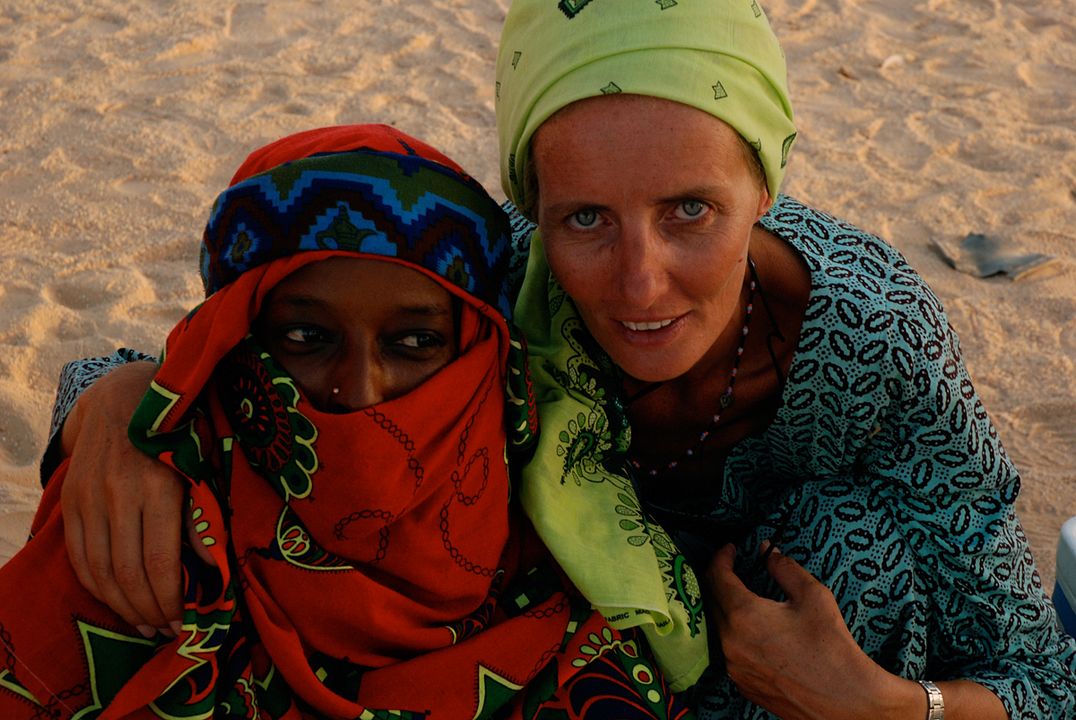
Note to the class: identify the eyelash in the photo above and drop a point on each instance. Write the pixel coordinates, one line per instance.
(703, 207)
(571, 219)
(425, 340)
(305, 331)
(408, 342)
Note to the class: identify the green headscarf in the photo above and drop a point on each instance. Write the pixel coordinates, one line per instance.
(578, 497)
(719, 56)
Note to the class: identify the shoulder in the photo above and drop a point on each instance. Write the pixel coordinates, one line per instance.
(860, 284)
(838, 251)
(875, 341)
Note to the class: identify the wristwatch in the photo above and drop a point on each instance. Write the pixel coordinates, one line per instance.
(935, 702)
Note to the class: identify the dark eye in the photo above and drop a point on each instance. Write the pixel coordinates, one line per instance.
(584, 219)
(419, 341)
(306, 334)
(690, 209)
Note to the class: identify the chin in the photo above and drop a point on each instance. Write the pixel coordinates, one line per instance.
(651, 377)
(651, 369)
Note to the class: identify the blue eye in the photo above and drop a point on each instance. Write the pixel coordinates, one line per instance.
(584, 219)
(691, 209)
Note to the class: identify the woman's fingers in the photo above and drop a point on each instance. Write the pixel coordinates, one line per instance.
(88, 536)
(162, 525)
(727, 590)
(729, 594)
(122, 509)
(797, 583)
(128, 590)
(75, 539)
(795, 657)
(145, 543)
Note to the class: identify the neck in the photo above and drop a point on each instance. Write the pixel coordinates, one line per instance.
(712, 394)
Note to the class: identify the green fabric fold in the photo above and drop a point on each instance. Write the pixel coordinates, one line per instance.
(579, 497)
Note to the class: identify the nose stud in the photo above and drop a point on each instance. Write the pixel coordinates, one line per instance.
(336, 391)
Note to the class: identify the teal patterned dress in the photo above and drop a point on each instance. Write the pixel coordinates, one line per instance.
(883, 476)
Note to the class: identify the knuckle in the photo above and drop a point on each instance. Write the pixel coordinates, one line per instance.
(127, 575)
(100, 570)
(817, 593)
(160, 563)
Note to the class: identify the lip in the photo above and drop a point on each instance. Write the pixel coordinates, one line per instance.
(647, 325)
(650, 332)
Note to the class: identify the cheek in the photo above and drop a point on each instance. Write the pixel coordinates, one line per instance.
(308, 375)
(577, 271)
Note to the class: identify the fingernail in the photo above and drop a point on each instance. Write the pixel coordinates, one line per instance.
(146, 631)
(167, 632)
(177, 627)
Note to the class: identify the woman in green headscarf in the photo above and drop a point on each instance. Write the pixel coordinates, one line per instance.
(722, 369)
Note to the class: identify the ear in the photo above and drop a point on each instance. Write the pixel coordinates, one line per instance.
(765, 202)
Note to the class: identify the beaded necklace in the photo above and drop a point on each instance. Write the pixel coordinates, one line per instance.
(726, 397)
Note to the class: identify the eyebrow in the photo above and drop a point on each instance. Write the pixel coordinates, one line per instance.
(698, 191)
(562, 208)
(427, 310)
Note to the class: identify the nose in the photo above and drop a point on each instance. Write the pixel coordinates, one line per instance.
(357, 381)
(640, 261)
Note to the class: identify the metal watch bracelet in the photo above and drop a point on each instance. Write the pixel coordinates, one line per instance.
(935, 702)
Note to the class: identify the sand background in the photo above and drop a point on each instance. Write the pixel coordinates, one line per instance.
(920, 121)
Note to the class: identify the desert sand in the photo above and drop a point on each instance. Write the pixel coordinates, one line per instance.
(922, 121)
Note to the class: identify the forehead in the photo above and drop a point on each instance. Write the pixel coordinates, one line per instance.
(343, 279)
(625, 138)
(645, 115)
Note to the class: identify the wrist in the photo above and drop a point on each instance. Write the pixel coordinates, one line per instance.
(903, 700)
(119, 392)
(935, 702)
(108, 403)
(70, 429)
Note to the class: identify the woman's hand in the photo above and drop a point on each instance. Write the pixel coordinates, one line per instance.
(122, 510)
(797, 658)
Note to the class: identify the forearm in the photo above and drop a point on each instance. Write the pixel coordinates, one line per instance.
(967, 700)
(124, 385)
(952, 498)
(75, 379)
(964, 700)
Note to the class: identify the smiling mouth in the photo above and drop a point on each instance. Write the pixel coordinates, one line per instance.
(644, 326)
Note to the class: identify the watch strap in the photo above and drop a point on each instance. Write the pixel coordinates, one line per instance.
(935, 702)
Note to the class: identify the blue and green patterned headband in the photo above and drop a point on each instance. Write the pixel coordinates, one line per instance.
(399, 206)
